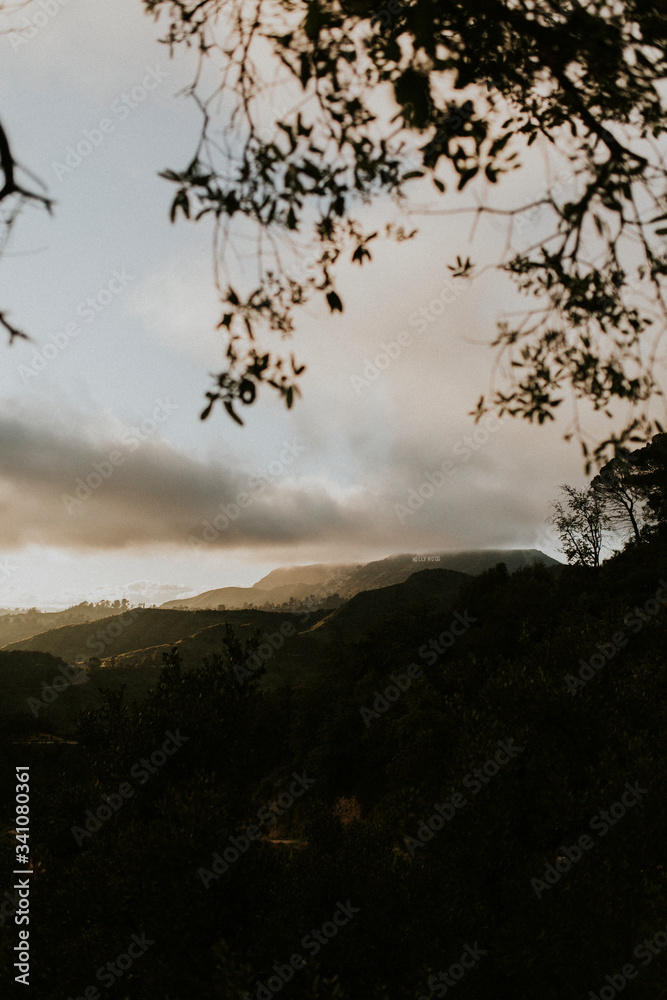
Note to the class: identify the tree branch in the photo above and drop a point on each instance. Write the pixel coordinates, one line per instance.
(8, 166)
(13, 331)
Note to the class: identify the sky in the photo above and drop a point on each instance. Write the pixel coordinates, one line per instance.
(110, 484)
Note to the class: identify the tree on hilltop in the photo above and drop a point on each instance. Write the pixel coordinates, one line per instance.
(622, 499)
(580, 520)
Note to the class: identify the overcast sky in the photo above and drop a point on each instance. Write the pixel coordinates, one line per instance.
(110, 485)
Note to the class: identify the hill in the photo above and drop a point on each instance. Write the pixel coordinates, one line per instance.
(298, 582)
(128, 649)
(296, 661)
(17, 625)
(32, 672)
(396, 569)
(431, 590)
(305, 654)
(235, 598)
(324, 576)
(139, 629)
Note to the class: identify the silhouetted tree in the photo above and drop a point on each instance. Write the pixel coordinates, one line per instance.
(649, 476)
(580, 520)
(621, 498)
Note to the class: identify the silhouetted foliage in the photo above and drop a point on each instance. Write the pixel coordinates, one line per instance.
(375, 98)
(580, 520)
(620, 497)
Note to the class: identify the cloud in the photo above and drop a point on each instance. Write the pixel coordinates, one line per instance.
(138, 490)
(94, 49)
(141, 592)
(179, 307)
(133, 490)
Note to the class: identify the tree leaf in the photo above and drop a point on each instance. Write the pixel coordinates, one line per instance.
(334, 301)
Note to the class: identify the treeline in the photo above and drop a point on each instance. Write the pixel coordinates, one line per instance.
(20, 624)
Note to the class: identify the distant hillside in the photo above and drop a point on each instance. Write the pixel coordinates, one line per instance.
(236, 597)
(281, 584)
(305, 655)
(396, 569)
(324, 576)
(130, 648)
(15, 626)
(133, 659)
(142, 629)
(109, 636)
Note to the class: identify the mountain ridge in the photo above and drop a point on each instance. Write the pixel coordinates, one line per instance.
(348, 579)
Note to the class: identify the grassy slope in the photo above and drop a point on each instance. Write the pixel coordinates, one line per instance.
(149, 627)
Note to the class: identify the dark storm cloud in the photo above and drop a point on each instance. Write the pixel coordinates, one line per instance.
(73, 492)
(67, 490)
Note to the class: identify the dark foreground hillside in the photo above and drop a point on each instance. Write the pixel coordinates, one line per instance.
(472, 797)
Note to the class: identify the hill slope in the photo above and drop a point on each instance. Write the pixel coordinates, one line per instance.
(396, 569)
(234, 598)
(348, 579)
(368, 609)
(138, 630)
(320, 575)
(15, 626)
